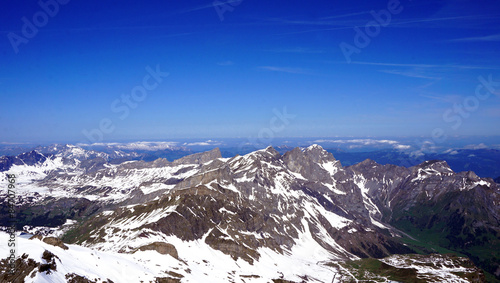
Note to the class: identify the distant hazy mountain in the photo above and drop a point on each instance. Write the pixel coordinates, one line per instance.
(484, 162)
(299, 216)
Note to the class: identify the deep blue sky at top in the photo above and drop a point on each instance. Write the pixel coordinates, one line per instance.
(227, 76)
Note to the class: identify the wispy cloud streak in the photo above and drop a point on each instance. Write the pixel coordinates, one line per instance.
(426, 65)
(494, 37)
(411, 74)
(285, 69)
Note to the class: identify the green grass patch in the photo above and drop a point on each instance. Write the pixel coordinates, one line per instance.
(376, 271)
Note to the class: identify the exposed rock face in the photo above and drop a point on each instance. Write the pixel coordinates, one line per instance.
(309, 163)
(49, 211)
(199, 158)
(27, 267)
(260, 200)
(245, 205)
(168, 280)
(55, 242)
(50, 264)
(28, 158)
(24, 267)
(162, 248)
(51, 241)
(460, 210)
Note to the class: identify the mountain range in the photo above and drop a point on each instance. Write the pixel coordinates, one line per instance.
(271, 215)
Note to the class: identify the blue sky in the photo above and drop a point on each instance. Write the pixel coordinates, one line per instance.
(231, 66)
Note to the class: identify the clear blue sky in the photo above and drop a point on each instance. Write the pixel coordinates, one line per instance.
(229, 70)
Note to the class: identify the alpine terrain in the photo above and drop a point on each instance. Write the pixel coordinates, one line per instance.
(92, 216)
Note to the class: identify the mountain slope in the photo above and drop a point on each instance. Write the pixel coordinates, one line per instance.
(458, 211)
(252, 217)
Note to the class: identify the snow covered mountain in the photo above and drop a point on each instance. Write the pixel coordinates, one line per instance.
(261, 217)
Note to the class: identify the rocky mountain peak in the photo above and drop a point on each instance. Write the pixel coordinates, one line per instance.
(31, 157)
(302, 208)
(199, 158)
(312, 162)
(160, 162)
(268, 154)
(317, 154)
(368, 162)
(271, 151)
(434, 165)
(314, 147)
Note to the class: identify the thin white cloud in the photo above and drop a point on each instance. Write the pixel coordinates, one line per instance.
(13, 143)
(212, 5)
(350, 23)
(424, 65)
(197, 143)
(494, 37)
(416, 154)
(318, 30)
(149, 146)
(476, 146)
(346, 15)
(395, 64)
(296, 50)
(426, 20)
(359, 141)
(284, 69)
(203, 143)
(411, 74)
(452, 151)
(306, 22)
(402, 146)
